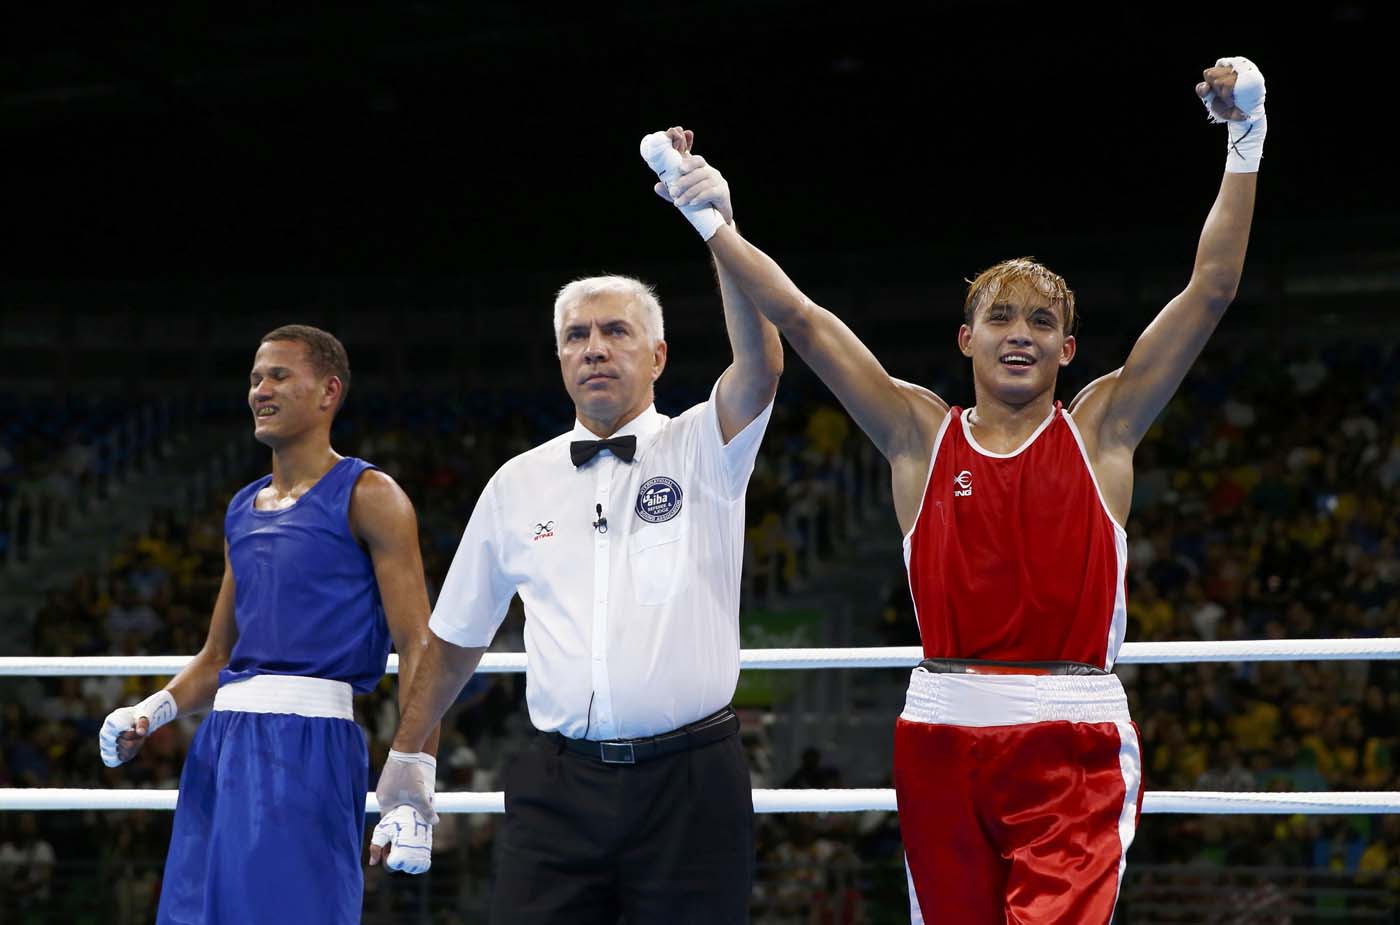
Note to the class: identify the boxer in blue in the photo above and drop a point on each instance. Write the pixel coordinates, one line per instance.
(321, 570)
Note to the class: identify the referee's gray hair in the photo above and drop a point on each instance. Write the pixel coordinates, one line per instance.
(581, 290)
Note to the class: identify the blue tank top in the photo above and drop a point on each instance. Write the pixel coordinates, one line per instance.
(306, 600)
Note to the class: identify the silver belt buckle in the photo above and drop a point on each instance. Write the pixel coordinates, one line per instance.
(617, 753)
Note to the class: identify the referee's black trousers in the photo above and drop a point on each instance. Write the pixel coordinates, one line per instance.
(667, 841)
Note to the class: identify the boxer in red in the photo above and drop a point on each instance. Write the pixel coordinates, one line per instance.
(1017, 768)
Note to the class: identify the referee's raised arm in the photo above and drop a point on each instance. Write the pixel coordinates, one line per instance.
(702, 194)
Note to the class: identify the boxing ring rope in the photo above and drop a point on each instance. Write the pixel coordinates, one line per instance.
(1132, 653)
(784, 801)
(771, 801)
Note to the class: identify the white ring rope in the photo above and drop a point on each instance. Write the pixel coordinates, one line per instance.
(1133, 653)
(779, 801)
(772, 801)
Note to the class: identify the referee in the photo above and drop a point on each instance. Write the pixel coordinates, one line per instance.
(624, 539)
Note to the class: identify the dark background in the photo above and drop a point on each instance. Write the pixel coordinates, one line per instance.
(423, 138)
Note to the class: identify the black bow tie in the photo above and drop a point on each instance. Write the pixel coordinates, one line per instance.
(624, 448)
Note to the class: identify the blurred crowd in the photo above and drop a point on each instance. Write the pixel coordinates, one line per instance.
(1266, 505)
(62, 455)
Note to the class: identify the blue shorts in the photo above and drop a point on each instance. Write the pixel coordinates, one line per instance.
(270, 823)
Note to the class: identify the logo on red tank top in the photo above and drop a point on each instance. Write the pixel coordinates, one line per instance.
(963, 481)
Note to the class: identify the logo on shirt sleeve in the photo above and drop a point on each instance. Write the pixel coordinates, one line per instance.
(544, 531)
(963, 481)
(659, 500)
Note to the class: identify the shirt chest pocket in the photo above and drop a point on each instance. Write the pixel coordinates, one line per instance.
(654, 555)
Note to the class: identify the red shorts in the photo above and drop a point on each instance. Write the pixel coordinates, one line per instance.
(1018, 797)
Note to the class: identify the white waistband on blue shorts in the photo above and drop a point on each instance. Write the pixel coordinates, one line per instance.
(1008, 700)
(282, 693)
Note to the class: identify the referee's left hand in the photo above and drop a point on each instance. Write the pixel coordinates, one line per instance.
(699, 184)
(407, 779)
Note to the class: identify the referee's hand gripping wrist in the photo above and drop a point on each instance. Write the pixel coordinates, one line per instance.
(698, 190)
(405, 793)
(408, 779)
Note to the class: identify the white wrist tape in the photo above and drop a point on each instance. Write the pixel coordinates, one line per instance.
(666, 161)
(159, 708)
(1245, 146)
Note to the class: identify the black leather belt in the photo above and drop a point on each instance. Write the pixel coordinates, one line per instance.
(713, 728)
(977, 666)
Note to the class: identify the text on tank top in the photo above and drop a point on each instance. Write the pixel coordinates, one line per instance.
(1014, 557)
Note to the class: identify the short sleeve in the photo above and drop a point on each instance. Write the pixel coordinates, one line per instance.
(476, 592)
(736, 458)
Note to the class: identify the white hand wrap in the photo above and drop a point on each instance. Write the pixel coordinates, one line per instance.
(666, 161)
(159, 709)
(1245, 147)
(409, 837)
(407, 785)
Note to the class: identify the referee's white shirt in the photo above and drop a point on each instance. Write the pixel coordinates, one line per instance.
(633, 630)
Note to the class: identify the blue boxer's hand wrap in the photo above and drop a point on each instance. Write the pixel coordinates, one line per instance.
(409, 837)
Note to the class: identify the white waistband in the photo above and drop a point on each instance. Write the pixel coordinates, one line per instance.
(1007, 700)
(282, 693)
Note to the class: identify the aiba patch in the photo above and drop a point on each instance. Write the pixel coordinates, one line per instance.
(659, 500)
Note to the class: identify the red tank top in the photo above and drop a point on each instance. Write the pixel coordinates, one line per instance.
(1014, 556)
